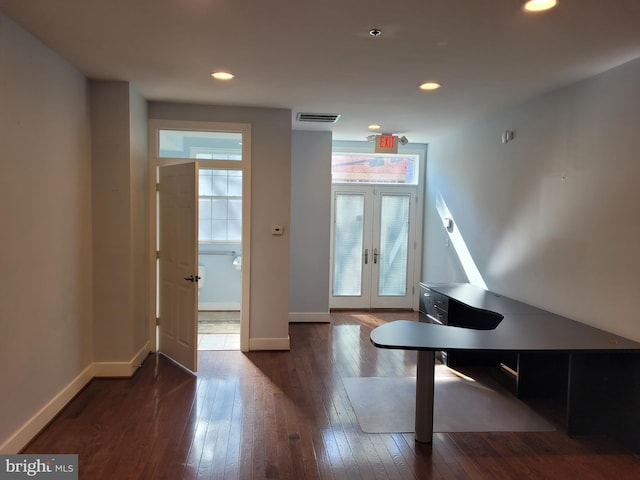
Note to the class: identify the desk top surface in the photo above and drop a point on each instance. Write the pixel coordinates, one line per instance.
(523, 328)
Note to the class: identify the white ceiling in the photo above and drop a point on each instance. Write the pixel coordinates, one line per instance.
(317, 55)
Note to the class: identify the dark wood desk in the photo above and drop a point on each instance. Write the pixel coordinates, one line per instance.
(595, 373)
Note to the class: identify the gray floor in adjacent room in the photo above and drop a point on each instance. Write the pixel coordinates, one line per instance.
(218, 330)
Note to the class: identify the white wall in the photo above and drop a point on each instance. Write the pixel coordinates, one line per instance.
(310, 224)
(119, 163)
(45, 223)
(222, 285)
(270, 197)
(139, 181)
(550, 218)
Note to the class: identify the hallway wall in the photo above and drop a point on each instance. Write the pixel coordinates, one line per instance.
(119, 205)
(45, 215)
(310, 226)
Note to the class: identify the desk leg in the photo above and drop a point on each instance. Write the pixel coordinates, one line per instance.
(424, 396)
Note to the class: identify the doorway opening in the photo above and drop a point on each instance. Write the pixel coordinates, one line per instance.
(219, 258)
(200, 209)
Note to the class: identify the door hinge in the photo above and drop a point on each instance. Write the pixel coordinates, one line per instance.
(157, 321)
(157, 254)
(157, 187)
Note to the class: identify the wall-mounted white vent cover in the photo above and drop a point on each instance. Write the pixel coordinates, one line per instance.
(318, 117)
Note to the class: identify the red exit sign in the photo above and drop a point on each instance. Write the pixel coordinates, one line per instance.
(386, 144)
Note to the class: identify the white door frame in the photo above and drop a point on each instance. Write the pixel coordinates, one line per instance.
(245, 165)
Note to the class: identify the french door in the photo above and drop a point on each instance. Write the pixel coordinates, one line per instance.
(372, 246)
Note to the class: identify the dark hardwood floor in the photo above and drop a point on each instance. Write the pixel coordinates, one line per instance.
(286, 415)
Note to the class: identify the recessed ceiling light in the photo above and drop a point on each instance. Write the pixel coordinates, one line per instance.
(539, 5)
(374, 126)
(430, 86)
(222, 75)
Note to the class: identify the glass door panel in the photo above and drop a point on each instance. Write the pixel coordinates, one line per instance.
(394, 243)
(348, 244)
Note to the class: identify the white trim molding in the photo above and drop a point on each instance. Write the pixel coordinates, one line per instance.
(269, 343)
(35, 424)
(309, 317)
(121, 369)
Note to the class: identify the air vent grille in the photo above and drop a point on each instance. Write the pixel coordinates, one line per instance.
(318, 117)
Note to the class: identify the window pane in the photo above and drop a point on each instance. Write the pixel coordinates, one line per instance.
(235, 185)
(204, 208)
(200, 144)
(204, 183)
(374, 168)
(220, 185)
(219, 208)
(234, 230)
(349, 214)
(394, 229)
(204, 229)
(235, 209)
(219, 230)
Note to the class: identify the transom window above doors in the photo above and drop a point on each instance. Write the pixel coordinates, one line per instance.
(364, 168)
(200, 144)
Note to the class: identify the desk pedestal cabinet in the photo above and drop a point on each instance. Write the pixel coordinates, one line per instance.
(441, 310)
(600, 391)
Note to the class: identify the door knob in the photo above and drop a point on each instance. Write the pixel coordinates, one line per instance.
(192, 278)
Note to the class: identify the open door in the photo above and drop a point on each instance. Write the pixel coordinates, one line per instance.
(178, 263)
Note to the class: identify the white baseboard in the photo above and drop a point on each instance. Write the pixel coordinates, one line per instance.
(219, 306)
(32, 427)
(121, 369)
(140, 357)
(269, 343)
(35, 424)
(309, 317)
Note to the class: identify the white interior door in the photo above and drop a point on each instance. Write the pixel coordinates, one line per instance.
(178, 263)
(373, 247)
